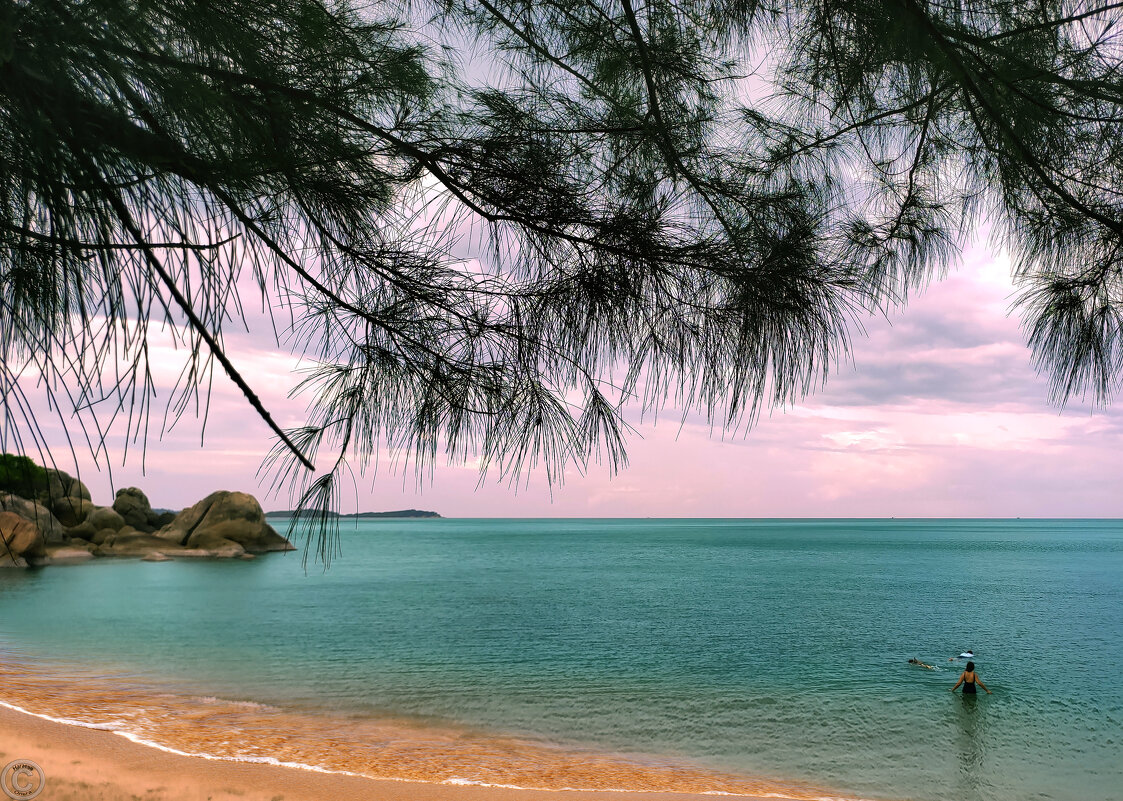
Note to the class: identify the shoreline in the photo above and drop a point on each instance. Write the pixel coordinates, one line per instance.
(87, 764)
(61, 720)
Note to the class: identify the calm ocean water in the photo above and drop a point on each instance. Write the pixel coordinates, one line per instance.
(775, 648)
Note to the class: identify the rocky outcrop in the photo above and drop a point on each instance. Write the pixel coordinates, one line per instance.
(223, 519)
(61, 524)
(224, 525)
(20, 540)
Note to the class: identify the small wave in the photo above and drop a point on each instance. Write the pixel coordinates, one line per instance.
(128, 735)
(112, 726)
(212, 699)
(474, 783)
(118, 728)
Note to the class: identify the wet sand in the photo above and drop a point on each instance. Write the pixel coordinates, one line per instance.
(90, 765)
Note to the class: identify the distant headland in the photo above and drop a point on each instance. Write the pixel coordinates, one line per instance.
(360, 515)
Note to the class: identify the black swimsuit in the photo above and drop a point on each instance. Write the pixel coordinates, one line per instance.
(969, 687)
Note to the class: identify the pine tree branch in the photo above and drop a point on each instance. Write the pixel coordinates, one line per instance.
(197, 324)
(970, 85)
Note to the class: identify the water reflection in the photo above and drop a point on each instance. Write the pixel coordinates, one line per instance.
(971, 724)
(15, 580)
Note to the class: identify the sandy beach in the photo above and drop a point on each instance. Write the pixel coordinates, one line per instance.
(90, 765)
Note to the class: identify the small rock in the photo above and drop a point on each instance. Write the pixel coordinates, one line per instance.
(156, 556)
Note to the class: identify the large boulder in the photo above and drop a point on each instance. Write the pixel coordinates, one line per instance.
(20, 539)
(233, 516)
(133, 506)
(70, 510)
(62, 485)
(35, 512)
(105, 517)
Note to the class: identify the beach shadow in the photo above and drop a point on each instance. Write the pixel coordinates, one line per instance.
(971, 722)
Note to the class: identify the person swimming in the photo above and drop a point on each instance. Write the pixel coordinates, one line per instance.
(968, 654)
(915, 661)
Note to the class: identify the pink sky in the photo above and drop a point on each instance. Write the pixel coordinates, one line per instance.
(940, 414)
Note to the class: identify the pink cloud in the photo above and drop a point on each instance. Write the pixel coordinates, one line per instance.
(940, 414)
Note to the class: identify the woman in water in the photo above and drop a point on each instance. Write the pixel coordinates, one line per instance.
(969, 678)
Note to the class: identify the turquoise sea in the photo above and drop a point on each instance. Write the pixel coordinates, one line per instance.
(773, 648)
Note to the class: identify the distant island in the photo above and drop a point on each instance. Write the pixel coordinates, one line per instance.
(360, 515)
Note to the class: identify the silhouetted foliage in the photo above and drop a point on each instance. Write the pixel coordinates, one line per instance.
(661, 201)
(21, 476)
